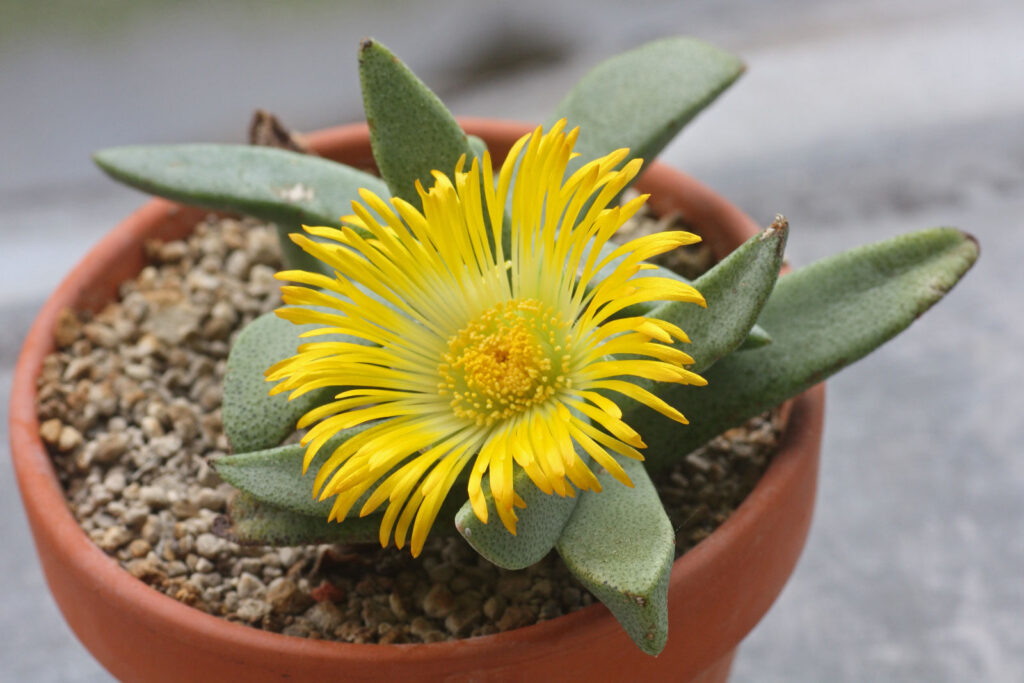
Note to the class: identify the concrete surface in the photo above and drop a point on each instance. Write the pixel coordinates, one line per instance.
(859, 121)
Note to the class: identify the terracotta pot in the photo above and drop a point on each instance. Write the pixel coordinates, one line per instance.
(719, 590)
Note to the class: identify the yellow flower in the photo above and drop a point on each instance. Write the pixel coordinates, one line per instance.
(476, 356)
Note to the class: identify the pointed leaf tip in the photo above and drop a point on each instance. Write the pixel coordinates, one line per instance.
(620, 545)
(411, 131)
(822, 318)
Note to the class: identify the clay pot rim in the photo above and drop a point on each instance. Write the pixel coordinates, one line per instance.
(43, 494)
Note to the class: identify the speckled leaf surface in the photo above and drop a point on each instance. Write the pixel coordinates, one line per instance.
(253, 419)
(756, 335)
(619, 543)
(641, 99)
(822, 318)
(253, 522)
(411, 131)
(274, 475)
(478, 145)
(285, 188)
(538, 528)
(736, 289)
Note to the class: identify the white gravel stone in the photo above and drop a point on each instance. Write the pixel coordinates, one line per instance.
(209, 545)
(250, 586)
(154, 496)
(251, 609)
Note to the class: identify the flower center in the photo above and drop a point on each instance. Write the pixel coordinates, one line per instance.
(511, 357)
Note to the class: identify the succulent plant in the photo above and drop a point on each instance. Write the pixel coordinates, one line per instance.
(485, 323)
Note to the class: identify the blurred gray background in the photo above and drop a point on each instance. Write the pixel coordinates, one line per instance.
(859, 121)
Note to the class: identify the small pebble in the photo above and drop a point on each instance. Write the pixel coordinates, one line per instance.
(115, 537)
(50, 431)
(285, 597)
(154, 496)
(251, 609)
(138, 548)
(250, 586)
(438, 602)
(69, 439)
(210, 546)
(325, 616)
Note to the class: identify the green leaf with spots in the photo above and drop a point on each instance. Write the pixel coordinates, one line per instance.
(285, 188)
(619, 543)
(253, 419)
(537, 529)
(274, 475)
(756, 335)
(822, 318)
(411, 131)
(735, 290)
(755, 339)
(478, 145)
(642, 98)
(253, 522)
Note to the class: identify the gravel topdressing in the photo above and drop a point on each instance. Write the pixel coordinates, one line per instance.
(129, 406)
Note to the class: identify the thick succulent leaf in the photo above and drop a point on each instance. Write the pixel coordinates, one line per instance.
(537, 529)
(478, 145)
(411, 131)
(274, 475)
(822, 318)
(254, 420)
(620, 544)
(755, 339)
(641, 99)
(736, 289)
(756, 336)
(253, 522)
(285, 188)
(275, 185)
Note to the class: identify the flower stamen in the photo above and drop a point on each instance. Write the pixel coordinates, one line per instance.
(511, 357)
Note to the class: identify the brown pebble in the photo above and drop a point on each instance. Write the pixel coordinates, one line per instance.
(549, 610)
(110, 447)
(100, 335)
(513, 585)
(187, 593)
(67, 329)
(441, 573)
(516, 616)
(493, 607)
(420, 626)
(252, 609)
(461, 583)
(397, 603)
(69, 439)
(50, 430)
(462, 620)
(114, 537)
(184, 508)
(393, 635)
(327, 592)
(542, 588)
(147, 569)
(325, 616)
(438, 602)
(139, 548)
(171, 252)
(286, 598)
(365, 587)
(374, 614)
